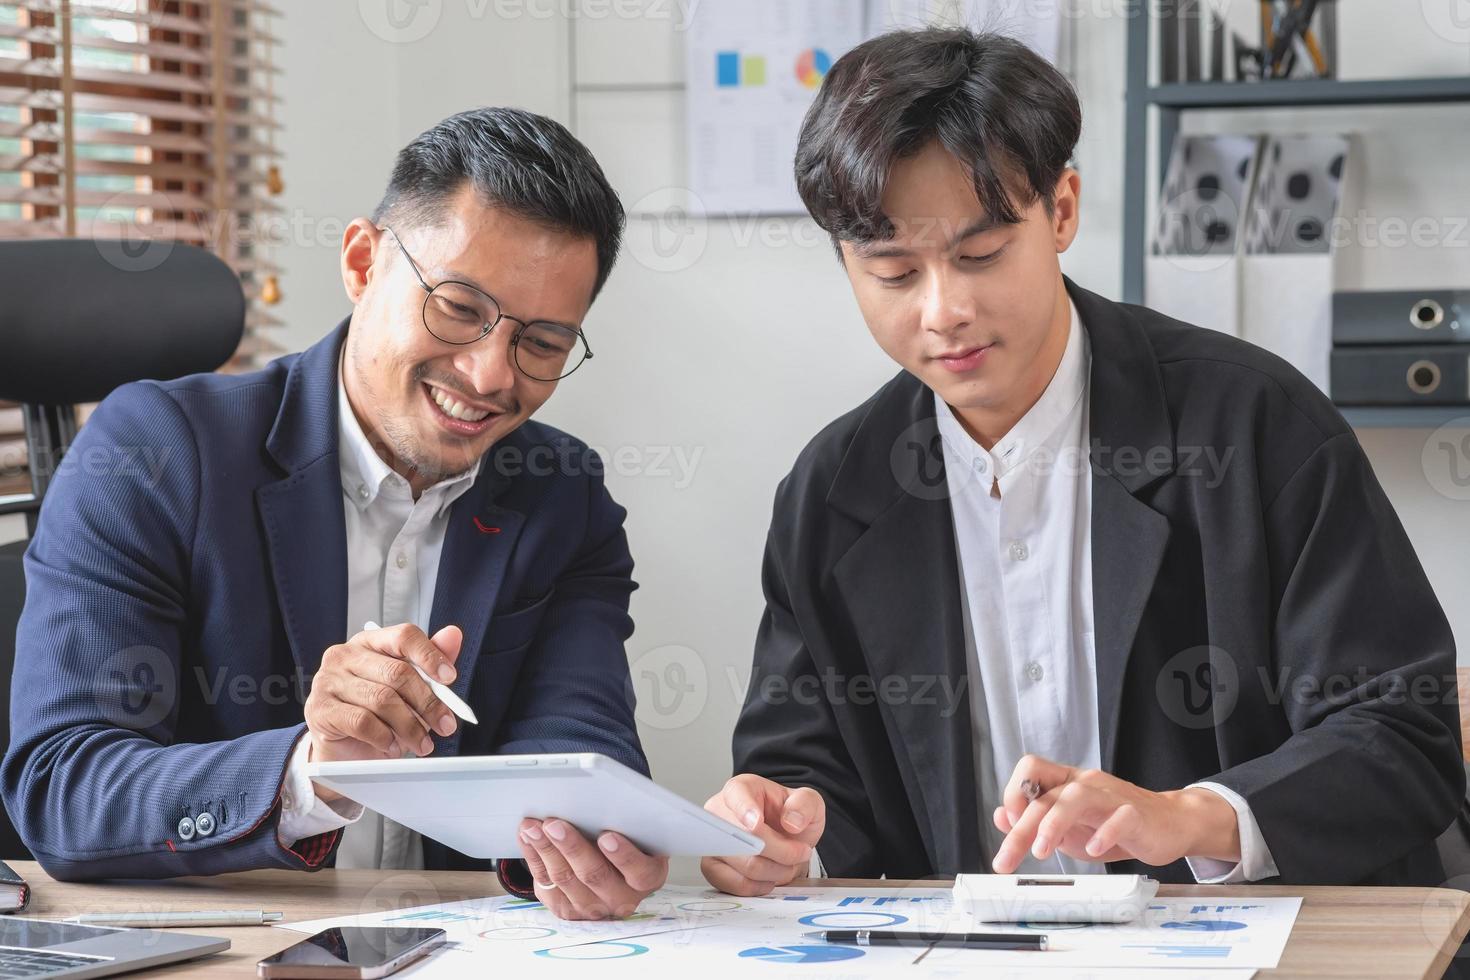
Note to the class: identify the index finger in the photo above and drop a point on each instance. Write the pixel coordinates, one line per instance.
(408, 642)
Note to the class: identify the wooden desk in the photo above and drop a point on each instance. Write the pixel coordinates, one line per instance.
(1342, 932)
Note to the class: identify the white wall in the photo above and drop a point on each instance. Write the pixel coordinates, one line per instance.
(340, 84)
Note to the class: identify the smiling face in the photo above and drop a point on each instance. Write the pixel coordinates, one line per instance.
(975, 309)
(432, 409)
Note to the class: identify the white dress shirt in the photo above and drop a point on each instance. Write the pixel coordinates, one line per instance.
(393, 548)
(1025, 557)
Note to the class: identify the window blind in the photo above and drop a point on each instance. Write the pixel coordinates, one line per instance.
(150, 121)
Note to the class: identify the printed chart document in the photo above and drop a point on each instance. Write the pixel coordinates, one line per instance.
(682, 931)
(753, 68)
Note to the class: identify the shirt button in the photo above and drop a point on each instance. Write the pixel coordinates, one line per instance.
(979, 465)
(362, 492)
(1034, 671)
(401, 561)
(1018, 551)
(288, 802)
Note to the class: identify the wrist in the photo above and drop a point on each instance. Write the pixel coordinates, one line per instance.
(1212, 828)
(322, 793)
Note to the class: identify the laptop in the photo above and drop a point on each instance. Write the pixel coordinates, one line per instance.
(36, 948)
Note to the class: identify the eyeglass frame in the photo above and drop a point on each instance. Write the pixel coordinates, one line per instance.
(488, 327)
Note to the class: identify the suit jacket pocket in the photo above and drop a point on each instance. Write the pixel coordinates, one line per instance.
(512, 630)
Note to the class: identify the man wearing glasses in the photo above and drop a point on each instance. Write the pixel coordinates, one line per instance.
(389, 474)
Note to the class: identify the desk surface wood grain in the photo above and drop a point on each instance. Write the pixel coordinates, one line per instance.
(1341, 932)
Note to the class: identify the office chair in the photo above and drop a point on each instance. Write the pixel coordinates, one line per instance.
(78, 318)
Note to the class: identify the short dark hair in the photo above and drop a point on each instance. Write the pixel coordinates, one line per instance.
(1000, 108)
(530, 165)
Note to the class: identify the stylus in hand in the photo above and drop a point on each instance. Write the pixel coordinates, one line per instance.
(450, 699)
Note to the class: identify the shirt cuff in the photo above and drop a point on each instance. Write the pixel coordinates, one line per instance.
(816, 870)
(515, 877)
(303, 814)
(1255, 857)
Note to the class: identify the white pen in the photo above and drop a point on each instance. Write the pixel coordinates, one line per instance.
(455, 703)
(161, 920)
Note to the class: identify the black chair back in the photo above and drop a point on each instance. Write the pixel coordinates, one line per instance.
(78, 317)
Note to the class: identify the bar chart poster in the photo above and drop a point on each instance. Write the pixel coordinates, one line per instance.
(754, 67)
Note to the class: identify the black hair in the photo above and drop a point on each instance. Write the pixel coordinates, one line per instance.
(1000, 108)
(530, 165)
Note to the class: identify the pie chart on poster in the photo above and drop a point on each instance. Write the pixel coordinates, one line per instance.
(801, 954)
(812, 66)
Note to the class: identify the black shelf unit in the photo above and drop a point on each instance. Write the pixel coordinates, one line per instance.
(1167, 101)
(1404, 416)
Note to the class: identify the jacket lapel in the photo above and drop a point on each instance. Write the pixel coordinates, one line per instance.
(1132, 447)
(900, 584)
(1128, 542)
(478, 544)
(306, 538)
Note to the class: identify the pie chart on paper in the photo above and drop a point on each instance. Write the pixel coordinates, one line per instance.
(801, 954)
(812, 66)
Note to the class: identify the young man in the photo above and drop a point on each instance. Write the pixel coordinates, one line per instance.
(1082, 587)
(387, 474)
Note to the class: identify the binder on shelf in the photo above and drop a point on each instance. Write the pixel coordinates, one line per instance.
(1423, 316)
(1166, 23)
(1401, 375)
(1191, 17)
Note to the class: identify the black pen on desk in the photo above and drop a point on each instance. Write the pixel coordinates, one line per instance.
(951, 940)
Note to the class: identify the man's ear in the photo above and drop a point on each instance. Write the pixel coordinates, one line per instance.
(359, 248)
(1066, 198)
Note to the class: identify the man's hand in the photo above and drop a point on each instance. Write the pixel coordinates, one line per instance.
(790, 821)
(367, 702)
(577, 880)
(1093, 816)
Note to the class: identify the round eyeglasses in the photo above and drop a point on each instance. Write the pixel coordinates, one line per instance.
(460, 314)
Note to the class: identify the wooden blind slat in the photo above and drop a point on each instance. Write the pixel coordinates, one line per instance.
(174, 23)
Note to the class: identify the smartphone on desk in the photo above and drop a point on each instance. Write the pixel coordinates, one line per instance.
(351, 952)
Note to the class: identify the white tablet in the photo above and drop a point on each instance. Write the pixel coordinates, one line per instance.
(475, 804)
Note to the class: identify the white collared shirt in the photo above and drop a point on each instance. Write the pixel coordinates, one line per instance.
(393, 547)
(1025, 562)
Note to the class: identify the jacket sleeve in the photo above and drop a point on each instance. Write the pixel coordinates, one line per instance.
(93, 778)
(788, 734)
(1372, 769)
(575, 694)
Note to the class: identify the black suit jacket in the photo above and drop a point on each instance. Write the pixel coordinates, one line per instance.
(1261, 620)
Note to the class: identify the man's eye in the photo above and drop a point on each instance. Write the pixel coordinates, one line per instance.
(894, 280)
(982, 259)
(456, 311)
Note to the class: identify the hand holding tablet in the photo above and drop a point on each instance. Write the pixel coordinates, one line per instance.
(572, 817)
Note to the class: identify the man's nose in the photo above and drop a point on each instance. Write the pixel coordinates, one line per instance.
(488, 363)
(947, 302)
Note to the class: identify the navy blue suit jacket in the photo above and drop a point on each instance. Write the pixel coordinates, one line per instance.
(188, 572)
